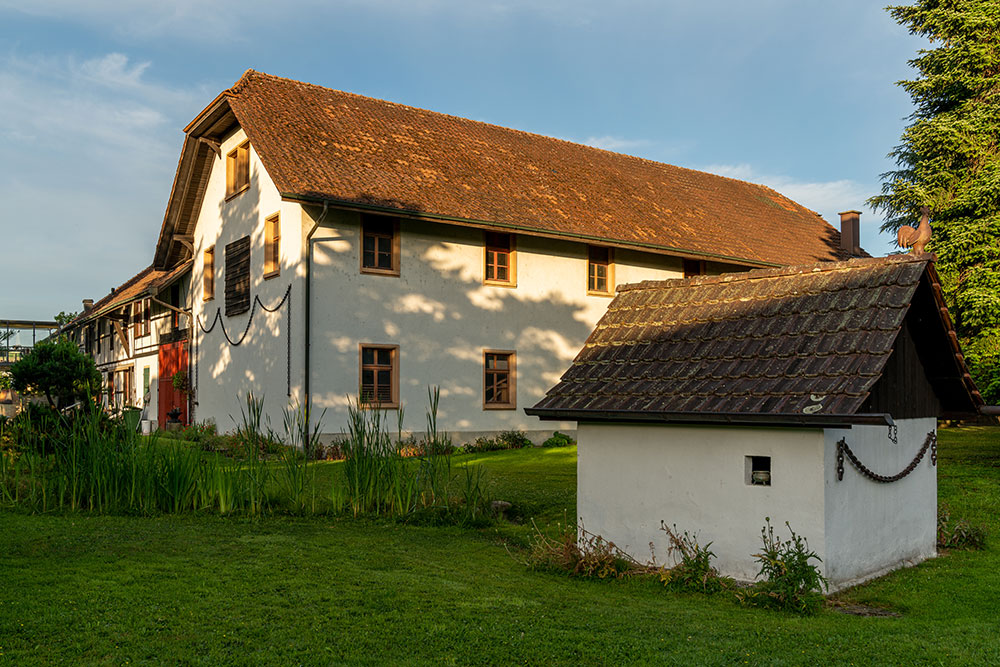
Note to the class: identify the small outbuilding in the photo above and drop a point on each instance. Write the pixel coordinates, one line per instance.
(805, 394)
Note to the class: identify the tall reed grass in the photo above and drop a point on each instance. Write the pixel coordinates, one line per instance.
(90, 462)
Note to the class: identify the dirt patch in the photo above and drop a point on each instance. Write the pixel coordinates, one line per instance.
(861, 609)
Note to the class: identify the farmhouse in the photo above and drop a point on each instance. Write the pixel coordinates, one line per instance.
(806, 394)
(344, 245)
(137, 335)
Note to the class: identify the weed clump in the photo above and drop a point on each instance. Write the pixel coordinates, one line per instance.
(579, 553)
(791, 581)
(693, 571)
(958, 533)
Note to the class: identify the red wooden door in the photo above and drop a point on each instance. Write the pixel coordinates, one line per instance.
(173, 358)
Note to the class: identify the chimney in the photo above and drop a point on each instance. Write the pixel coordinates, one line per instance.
(850, 232)
(87, 305)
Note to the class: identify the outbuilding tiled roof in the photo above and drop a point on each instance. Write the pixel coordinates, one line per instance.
(807, 341)
(327, 145)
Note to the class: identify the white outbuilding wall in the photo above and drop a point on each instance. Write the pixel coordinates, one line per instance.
(633, 476)
(872, 528)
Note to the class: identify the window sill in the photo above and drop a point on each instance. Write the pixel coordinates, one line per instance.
(500, 406)
(208, 298)
(500, 283)
(380, 406)
(272, 274)
(605, 294)
(380, 272)
(236, 193)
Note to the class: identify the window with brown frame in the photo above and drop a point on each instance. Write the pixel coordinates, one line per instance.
(694, 267)
(238, 169)
(379, 245)
(208, 274)
(380, 376)
(272, 247)
(237, 276)
(500, 259)
(600, 271)
(140, 318)
(498, 380)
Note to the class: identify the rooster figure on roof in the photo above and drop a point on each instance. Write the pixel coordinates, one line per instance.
(908, 237)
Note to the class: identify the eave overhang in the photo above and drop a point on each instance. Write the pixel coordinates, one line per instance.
(717, 418)
(524, 229)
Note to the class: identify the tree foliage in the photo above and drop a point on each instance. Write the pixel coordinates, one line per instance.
(949, 160)
(56, 370)
(64, 318)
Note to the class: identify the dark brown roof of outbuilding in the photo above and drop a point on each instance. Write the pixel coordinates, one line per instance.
(800, 343)
(327, 145)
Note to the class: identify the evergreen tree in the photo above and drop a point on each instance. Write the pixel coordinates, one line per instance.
(58, 371)
(949, 160)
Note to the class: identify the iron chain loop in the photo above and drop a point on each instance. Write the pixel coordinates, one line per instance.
(844, 449)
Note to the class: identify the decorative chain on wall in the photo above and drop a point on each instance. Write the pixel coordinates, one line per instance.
(253, 310)
(844, 450)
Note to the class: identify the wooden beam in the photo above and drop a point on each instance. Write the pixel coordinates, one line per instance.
(186, 240)
(122, 336)
(214, 145)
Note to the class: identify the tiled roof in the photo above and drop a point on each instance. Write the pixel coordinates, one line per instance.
(322, 144)
(149, 279)
(808, 340)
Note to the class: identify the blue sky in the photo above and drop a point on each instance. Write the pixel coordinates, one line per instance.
(796, 94)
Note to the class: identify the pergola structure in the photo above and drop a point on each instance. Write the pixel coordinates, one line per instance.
(40, 329)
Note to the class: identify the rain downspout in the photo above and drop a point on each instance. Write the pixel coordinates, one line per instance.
(308, 306)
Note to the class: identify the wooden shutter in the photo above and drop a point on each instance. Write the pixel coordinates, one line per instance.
(238, 277)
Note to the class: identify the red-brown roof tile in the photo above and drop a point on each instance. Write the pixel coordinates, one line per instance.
(322, 144)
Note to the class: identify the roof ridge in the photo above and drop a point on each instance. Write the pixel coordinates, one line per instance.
(251, 73)
(760, 274)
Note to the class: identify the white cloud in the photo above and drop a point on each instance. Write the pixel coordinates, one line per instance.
(113, 70)
(95, 142)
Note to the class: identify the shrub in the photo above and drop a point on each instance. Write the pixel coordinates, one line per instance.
(558, 439)
(693, 570)
(958, 533)
(791, 582)
(515, 439)
(503, 440)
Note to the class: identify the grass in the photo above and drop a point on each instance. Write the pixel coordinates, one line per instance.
(200, 589)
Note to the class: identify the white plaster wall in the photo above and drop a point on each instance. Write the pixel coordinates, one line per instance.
(632, 477)
(442, 317)
(871, 527)
(225, 374)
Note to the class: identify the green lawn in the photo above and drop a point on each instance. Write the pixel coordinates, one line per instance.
(208, 590)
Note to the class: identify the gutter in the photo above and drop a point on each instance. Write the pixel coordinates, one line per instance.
(728, 418)
(307, 395)
(485, 224)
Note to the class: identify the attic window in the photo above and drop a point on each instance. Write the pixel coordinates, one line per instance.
(758, 470)
(238, 170)
(272, 246)
(379, 245)
(500, 260)
(599, 271)
(237, 274)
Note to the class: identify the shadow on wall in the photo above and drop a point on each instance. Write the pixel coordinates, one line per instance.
(438, 311)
